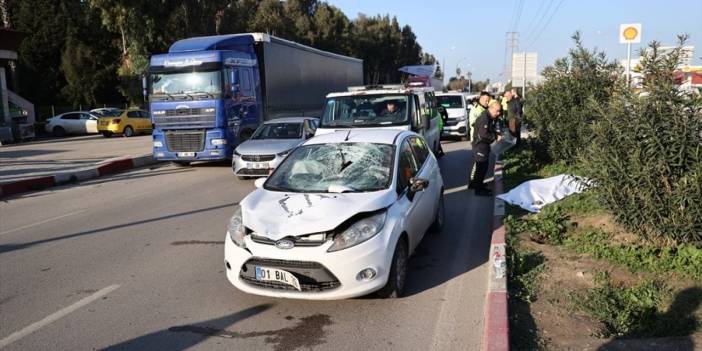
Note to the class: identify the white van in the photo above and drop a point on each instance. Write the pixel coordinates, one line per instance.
(384, 106)
(458, 111)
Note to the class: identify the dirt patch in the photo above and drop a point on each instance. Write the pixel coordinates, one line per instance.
(553, 315)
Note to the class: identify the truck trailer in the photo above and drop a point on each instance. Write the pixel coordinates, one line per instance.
(208, 94)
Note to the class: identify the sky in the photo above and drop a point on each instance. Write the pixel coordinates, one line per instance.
(471, 34)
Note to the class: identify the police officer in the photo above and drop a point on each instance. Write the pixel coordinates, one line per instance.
(485, 133)
(475, 112)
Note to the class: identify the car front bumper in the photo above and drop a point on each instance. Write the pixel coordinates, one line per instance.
(246, 168)
(458, 129)
(338, 271)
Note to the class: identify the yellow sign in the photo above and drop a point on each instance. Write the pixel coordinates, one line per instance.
(630, 33)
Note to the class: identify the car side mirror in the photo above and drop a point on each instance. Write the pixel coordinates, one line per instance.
(418, 184)
(259, 182)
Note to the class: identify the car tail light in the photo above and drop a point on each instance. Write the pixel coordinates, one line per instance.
(116, 121)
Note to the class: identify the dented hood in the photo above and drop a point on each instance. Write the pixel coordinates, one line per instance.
(276, 215)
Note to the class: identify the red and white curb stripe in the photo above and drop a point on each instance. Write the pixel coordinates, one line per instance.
(496, 332)
(104, 168)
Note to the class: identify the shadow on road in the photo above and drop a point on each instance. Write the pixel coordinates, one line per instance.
(172, 339)
(15, 247)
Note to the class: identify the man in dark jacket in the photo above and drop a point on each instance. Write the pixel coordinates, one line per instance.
(515, 115)
(484, 134)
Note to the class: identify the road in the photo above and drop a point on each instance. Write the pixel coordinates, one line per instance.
(134, 262)
(48, 157)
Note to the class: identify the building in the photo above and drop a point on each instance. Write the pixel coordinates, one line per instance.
(16, 113)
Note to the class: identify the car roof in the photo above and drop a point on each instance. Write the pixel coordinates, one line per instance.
(289, 120)
(360, 135)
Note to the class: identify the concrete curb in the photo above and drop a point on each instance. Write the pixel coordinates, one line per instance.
(496, 330)
(110, 166)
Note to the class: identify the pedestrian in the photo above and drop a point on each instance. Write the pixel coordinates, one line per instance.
(516, 109)
(479, 108)
(485, 133)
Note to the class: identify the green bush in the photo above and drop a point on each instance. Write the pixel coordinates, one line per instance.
(560, 109)
(630, 311)
(646, 155)
(546, 227)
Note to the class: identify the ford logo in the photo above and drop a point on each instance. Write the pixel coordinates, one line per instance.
(284, 244)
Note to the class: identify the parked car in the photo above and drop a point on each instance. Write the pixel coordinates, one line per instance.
(270, 144)
(338, 218)
(76, 122)
(106, 112)
(457, 109)
(129, 123)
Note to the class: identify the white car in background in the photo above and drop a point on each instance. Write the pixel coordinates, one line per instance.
(458, 110)
(270, 144)
(338, 218)
(77, 122)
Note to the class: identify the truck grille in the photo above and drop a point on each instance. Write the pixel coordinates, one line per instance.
(185, 116)
(182, 141)
(257, 158)
(312, 275)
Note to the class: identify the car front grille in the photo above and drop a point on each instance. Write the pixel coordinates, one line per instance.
(252, 172)
(185, 141)
(297, 240)
(312, 275)
(451, 122)
(258, 158)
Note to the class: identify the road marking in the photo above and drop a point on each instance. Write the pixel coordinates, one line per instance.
(42, 222)
(55, 316)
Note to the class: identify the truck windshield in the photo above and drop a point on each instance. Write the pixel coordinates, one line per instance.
(450, 101)
(186, 83)
(343, 167)
(278, 131)
(366, 111)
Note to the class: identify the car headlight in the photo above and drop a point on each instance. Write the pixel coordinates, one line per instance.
(359, 232)
(158, 113)
(219, 142)
(158, 144)
(209, 110)
(285, 153)
(236, 228)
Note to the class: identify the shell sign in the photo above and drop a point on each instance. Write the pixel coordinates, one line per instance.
(630, 33)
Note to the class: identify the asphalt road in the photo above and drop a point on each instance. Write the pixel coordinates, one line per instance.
(134, 262)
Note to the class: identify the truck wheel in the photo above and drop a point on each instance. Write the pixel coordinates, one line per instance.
(398, 272)
(128, 131)
(181, 163)
(58, 131)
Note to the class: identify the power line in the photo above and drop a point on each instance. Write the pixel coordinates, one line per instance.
(545, 25)
(536, 16)
(539, 22)
(520, 7)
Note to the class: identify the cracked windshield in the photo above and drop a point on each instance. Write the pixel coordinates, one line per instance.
(365, 111)
(356, 167)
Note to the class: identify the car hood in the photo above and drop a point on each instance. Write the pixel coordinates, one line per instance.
(267, 146)
(276, 215)
(456, 112)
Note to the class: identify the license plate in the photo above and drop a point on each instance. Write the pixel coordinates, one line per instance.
(277, 275)
(186, 154)
(257, 165)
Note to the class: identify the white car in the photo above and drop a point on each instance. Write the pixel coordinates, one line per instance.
(78, 122)
(270, 144)
(457, 110)
(338, 218)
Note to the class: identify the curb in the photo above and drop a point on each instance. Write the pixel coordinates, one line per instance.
(103, 168)
(496, 330)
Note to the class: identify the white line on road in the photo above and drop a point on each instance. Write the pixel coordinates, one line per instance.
(42, 222)
(55, 316)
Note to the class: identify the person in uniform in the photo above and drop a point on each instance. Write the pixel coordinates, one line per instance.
(484, 134)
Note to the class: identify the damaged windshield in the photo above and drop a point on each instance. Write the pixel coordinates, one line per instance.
(366, 111)
(347, 167)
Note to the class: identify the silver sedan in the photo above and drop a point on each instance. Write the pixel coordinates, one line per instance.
(270, 144)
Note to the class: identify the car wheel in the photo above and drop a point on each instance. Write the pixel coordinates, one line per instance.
(58, 131)
(181, 163)
(398, 273)
(106, 134)
(439, 217)
(128, 131)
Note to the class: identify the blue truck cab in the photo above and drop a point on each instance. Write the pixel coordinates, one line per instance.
(208, 94)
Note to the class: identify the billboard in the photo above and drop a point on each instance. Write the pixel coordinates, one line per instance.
(524, 68)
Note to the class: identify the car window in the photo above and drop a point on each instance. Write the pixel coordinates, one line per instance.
(421, 152)
(133, 114)
(407, 166)
(71, 116)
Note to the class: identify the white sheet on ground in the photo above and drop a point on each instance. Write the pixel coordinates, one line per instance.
(534, 194)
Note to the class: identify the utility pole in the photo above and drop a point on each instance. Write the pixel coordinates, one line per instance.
(511, 44)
